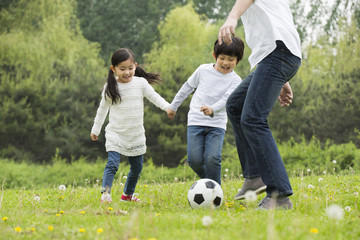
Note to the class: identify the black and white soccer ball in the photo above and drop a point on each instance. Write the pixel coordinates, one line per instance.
(205, 193)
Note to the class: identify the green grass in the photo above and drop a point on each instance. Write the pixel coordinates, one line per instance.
(164, 213)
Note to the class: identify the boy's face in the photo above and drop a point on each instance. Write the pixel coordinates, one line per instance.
(225, 63)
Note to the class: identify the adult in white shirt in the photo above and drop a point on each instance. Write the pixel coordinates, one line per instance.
(276, 54)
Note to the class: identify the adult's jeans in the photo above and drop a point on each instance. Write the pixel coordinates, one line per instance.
(204, 151)
(248, 108)
(112, 166)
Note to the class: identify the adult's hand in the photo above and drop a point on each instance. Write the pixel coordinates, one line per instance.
(286, 95)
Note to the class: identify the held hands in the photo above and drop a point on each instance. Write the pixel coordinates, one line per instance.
(93, 137)
(170, 113)
(207, 110)
(286, 95)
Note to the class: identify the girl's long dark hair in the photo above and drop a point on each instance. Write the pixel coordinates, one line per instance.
(119, 56)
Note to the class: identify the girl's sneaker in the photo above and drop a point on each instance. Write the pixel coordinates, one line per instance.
(105, 197)
(129, 198)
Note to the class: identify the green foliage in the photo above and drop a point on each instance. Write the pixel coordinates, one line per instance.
(50, 78)
(164, 213)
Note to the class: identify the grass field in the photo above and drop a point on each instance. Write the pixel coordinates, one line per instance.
(164, 213)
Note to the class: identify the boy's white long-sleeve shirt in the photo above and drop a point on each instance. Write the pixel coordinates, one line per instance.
(125, 131)
(212, 89)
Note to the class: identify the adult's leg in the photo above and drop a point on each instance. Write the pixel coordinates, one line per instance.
(267, 81)
(234, 108)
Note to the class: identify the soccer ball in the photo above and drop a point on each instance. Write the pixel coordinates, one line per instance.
(205, 193)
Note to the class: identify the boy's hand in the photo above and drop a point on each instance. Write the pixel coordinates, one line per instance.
(170, 113)
(286, 95)
(207, 110)
(93, 137)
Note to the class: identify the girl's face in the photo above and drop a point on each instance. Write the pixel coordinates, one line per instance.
(125, 70)
(225, 63)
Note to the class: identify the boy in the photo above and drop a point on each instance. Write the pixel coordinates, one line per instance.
(213, 83)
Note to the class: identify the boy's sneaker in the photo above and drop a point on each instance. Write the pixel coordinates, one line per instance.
(105, 197)
(255, 184)
(129, 198)
(275, 203)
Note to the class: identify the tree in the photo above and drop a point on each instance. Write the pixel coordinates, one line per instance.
(50, 78)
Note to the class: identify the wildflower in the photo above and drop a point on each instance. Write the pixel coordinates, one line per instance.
(58, 214)
(226, 170)
(324, 172)
(348, 209)
(62, 188)
(82, 230)
(18, 229)
(320, 179)
(99, 230)
(356, 193)
(37, 198)
(82, 212)
(4, 219)
(50, 228)
(334, 161)
(225, 175)
(110, 208)
(124, 177)
(314, 230)
(151, 239)
(32, 229)
(250, 196)
(157, 214)
(310, 186)
(206, 220)
(133, 239)
(61, 197)
(45, 211)
(335, 212)
(62, 212)
(308, 170)
(175, 179)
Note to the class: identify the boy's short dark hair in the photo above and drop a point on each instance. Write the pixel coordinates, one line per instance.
(235, 49)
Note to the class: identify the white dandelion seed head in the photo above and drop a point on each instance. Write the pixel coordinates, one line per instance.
(321, 179)
(334, 161)
(348, 209)
(226, 170)
(250, 196)
(335, 212)
(225, 175)
(310, 186)
(62, 187)
(37, 198)
(176, 179)
(324, 172)
(124, 177)
(207, 220)
(308, 170)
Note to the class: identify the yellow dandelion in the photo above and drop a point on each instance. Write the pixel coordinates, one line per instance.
(32, 229)
(61, 197)
(58, 214)
(82, 230)
(157, 214)
(99, 230)
(18, 229)
(110, 208)
(152, 239)
(314, 230)
(145, 185)
(133, 239)
(50, 228)
(4, 219)
(82, 212)
(45, 211)
(62, 212)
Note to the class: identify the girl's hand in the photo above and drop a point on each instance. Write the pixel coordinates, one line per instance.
(207, 110)
(170, 113)
(286, 95)
(93, 137)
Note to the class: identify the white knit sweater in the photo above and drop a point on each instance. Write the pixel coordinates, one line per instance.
(125, 132)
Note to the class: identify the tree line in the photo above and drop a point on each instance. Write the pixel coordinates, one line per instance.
(55, 56)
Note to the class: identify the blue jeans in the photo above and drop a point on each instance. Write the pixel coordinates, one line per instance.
(248, 108)
(112, 165)
(204, 151)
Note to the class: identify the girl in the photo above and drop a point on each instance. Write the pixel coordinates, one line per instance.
(123, 94)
